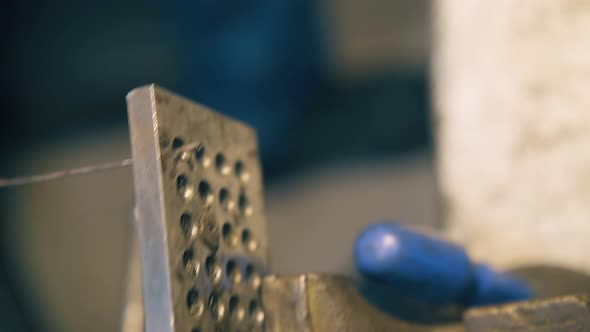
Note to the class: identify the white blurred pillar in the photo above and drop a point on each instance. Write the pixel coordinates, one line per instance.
(512, 110)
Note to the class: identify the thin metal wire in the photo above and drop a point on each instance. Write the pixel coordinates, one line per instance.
(22, 180)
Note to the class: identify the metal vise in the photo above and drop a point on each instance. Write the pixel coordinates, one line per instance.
(202, 242)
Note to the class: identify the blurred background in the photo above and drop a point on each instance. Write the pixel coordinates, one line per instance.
(337, 89)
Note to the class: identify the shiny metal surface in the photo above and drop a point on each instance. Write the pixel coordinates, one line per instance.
(322, 303)
(133, 317)
(200, 215)
(565, 313)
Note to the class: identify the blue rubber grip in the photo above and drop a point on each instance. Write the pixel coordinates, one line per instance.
(431, 269)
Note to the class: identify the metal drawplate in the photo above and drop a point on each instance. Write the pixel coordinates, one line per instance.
(199, 211)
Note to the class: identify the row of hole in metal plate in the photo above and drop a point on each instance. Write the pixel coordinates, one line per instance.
(195, 304)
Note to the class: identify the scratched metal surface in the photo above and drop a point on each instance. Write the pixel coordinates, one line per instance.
(325, 303)
(200, 215)
(565, 313)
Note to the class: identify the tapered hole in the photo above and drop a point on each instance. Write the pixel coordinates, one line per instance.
(192, 297)
(243, 202)
(177, 142)
(233, 303)
(181, 182)
(226, 230)
(230, 267)
(204, 190)
(223, 196)
(209, 263)
(239, 168)
(185, 223)
(188, 256)
(219, 162)
(252, 307)
(249, 271)
(212, 302)
(246, 236)
(200, 153)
